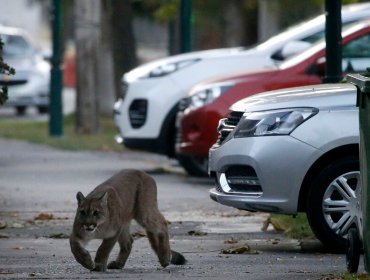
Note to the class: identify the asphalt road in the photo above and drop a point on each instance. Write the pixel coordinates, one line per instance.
(37, 203)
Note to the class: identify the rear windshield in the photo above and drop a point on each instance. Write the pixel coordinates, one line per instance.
(15, 46)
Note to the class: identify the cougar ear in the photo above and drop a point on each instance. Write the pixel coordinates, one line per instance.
(80, 197)
(104, 198)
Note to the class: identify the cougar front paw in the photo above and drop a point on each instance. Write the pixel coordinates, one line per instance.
(115, 265)
(99, 267)
(89, 264)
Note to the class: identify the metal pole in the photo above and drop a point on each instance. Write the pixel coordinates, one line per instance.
(56, 115)
(185, 26)
(333, 36)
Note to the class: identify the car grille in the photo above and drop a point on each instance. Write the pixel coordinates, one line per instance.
(138, 112)
(12, 82)
(243, 179)
(227, 125)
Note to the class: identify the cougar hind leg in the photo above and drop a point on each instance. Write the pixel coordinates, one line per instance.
(156, 229)
(125, 241)
(160, 243)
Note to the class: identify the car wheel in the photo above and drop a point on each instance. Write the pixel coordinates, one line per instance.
(43, 109)
(21, 110)
(333, 203)
(194, 166)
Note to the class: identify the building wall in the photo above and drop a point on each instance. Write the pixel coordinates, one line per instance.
(26, 14)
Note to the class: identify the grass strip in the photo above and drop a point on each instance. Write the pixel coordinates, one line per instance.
(38, 132)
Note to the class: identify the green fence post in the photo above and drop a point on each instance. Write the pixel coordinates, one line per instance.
(362, 82)
(333, 36)
(185, 26)
(56, 82)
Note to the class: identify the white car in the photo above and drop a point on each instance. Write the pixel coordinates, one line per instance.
(146, 113)
(293, 150)
(30, 84)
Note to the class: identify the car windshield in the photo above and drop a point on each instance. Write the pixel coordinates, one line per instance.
(15, 46)
(295, 30)
(348, 30)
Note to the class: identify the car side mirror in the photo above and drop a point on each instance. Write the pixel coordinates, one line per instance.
(293, 48)
(317, 68)
(321, 66)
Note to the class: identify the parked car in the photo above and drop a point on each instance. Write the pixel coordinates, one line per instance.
(293, 150)
(210, 101)
(145, 114)
(30, 84)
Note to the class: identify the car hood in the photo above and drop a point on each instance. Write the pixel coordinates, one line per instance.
(23, 67)
(319, 96)
(143, 70)
(26, 66)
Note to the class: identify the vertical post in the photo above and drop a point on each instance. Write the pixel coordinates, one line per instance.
(333, 36)
(56, 116)
(185, 26)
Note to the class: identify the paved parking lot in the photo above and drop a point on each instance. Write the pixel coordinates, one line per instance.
(37, 203)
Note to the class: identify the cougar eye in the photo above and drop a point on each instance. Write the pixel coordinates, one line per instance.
(82, 213)
(95, 213)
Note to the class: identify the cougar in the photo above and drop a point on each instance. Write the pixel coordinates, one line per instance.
(106, 213)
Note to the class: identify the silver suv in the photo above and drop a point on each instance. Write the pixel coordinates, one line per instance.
(30, 84)
(293, 150)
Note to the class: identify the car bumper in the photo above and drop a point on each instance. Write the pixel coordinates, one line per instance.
(29, 94)
(273, 183)
(197, 131)
(153, 145)
(159, 101)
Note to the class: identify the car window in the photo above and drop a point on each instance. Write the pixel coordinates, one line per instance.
(357, 48)
(320, 35)
(312, 39)
(15, 46)
(356, 55)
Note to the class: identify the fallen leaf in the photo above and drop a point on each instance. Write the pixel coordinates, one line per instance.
(44, 216)
(245, 249)
(3, 224)
(275, 224)
(17, 225)
(232, 240)
(138, 234)
(59, 236)
(197, 233)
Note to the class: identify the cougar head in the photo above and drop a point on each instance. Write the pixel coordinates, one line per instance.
(92, 211)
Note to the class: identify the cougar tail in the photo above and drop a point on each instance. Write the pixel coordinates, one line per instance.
(177, 258)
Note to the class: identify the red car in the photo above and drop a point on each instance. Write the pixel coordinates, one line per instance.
(209, 101)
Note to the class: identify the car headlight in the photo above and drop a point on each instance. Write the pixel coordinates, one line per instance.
(207, 95)
(169, 68)
(274, 122)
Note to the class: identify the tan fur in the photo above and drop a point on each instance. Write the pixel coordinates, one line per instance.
(106, 213)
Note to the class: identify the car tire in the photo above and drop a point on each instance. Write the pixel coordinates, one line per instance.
(333, 202)
(43, 109)
(194, 166)
(21, 110)
(353, 250)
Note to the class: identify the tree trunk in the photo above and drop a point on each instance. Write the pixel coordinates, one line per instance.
(123, 40)
(233, 24)
(105, 81)
(87, 16)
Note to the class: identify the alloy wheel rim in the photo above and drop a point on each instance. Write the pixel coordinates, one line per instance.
(341, 204)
